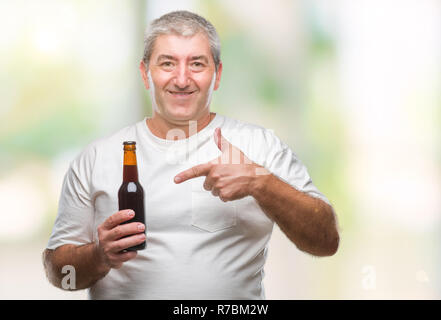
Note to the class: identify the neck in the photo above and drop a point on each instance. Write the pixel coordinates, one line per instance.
(160, 127)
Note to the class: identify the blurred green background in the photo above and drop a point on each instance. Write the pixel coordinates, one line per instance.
(353, 86)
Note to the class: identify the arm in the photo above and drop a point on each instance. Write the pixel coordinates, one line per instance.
(89, 268)
(94, 260)
(307, 221)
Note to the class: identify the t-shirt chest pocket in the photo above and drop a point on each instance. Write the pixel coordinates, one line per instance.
(208, 212)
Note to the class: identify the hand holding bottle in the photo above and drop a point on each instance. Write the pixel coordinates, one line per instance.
(115, 237)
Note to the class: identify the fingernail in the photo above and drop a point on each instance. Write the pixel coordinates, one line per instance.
(178, 179)
(130, 213)
(140, 227)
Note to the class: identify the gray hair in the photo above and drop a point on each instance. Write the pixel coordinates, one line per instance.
(183, 23)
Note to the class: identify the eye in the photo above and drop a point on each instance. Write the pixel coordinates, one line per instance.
(167, 65)
(196, 66)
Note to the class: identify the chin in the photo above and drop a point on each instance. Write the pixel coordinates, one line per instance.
(181, 116)
(182, 113)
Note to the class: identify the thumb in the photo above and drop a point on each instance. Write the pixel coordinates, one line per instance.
(221, 142)
(230, 153)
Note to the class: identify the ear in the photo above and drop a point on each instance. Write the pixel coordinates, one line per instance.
(144, 71)
(218, 76)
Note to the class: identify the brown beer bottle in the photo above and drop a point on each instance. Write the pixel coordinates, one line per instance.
(131, 194)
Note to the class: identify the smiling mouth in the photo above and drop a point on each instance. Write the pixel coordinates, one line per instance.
(181, 94)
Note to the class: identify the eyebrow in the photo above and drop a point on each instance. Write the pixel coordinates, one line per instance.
(169, 57)
(165, 57)
(204, 58)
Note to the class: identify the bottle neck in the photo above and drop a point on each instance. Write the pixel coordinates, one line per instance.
(130, 169)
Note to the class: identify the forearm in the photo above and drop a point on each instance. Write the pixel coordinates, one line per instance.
(308, 222)
(85, 260)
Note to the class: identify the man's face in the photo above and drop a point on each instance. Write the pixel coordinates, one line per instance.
(183, 75)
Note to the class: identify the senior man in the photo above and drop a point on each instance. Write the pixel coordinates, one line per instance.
(213, 187)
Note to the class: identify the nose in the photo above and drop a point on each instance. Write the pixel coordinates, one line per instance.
(182, 77)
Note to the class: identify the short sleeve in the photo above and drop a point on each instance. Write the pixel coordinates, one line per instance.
(282, 162)
(75, 216)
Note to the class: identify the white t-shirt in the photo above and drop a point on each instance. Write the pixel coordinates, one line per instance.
(198, 247)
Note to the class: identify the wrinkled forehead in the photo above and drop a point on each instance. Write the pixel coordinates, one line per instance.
(181, 47)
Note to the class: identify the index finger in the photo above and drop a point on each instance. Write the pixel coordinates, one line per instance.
(193, 172)
(118, 218)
